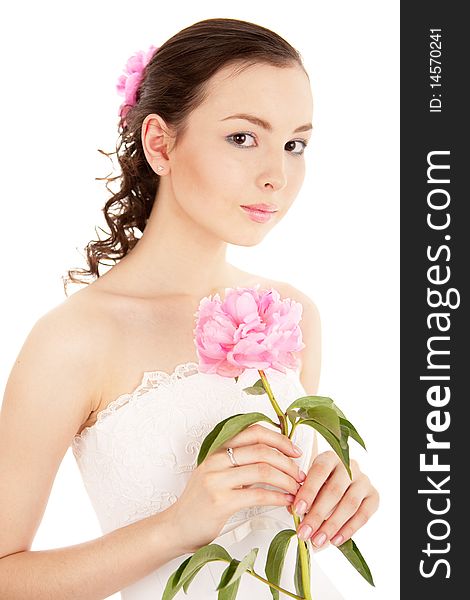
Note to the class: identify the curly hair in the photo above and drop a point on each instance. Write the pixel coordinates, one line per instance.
(174, 83)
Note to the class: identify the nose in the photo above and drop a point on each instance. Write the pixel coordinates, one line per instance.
(274, 175)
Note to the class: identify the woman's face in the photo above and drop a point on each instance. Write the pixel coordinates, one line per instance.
(222, 162)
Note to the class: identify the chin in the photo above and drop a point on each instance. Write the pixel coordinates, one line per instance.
(246, 239)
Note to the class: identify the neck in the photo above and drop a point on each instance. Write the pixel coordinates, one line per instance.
(175, 256)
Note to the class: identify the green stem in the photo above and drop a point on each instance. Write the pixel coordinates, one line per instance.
(273, 585)
(270, 583)
(280, 414)
(304, 568)
(293, 428)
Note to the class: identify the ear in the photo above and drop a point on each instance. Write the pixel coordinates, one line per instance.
(156, 142)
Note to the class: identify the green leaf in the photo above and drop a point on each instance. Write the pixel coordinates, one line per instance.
(299, 586)
(335, 443)
(226, 429)
(209, 439)
(352, 432)
(324, 415)
(337, 410)
(351, 552)
(313, 401)
(256, 389)
(241, 566)
(229, 592)
(345, 445)
(187, 570)
(310, 402)
(292, 415)
(276, 557)
(227, 575)
(344, 437)
(190, 578)
(173, 585)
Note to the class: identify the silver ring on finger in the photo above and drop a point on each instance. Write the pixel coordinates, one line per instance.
(232, 458)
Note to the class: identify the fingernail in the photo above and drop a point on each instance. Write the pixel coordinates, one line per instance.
(319, 539)
(300, 507)
(304, 532)
(337, 540)
(297, 450)
(302, 475)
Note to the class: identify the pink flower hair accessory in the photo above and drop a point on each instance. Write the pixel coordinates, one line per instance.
(129, 82)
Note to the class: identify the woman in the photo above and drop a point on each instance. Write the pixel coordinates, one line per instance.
(216, 122)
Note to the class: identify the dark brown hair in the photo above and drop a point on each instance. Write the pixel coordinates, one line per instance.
(174, 83)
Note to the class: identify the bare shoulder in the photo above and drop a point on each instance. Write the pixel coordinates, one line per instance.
(310, 326)
(310, 322)
(70, 340)
(81, 319)
(310, 313)
(50, 391)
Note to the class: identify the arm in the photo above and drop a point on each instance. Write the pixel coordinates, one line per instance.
(92, 570)
(51, 390)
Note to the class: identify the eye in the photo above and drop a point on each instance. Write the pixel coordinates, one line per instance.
(239, 139)
(302, 148)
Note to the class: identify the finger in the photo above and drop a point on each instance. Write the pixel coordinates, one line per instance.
(319, 472)
(352, 505)
(261, 434)
(259, 473)
(366, 510)
(240, 499)
(328, 497)
(258, 453)
(346, 508)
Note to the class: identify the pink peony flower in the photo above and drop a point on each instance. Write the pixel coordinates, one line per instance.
(250, 329)
(128, 84)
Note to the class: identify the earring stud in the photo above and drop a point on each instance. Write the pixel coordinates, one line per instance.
(159, 168)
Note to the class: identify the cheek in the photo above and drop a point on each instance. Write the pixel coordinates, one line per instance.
(296, 180)
(298, 175)
(189, 174)
(205, 178)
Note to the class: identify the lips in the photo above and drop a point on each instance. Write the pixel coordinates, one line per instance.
(270, 208)
(260, 216)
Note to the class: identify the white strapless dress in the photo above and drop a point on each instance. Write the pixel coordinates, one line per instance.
(138, 456)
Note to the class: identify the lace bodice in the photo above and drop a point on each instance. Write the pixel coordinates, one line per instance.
(138, 456)
(136, 459)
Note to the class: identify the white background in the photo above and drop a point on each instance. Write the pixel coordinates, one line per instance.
(339, 243)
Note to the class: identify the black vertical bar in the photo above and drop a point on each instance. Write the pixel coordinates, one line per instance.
(435, 269)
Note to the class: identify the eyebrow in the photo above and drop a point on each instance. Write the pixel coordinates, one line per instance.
(264, 124)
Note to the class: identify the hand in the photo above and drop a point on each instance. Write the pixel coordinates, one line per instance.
(336, 507)
(216, 489)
